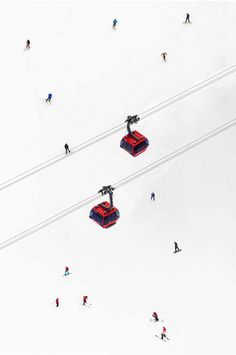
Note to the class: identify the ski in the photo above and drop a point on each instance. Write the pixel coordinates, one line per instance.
(164, 339)
(160, 337)
(67, 274)
(177, 251)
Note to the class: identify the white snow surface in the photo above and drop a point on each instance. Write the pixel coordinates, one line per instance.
(97, 77)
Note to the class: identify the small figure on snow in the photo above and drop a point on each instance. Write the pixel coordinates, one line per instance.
(49, 98)
(67, 148)
(27, 47)
(187, 18)
(85, 298)
(66, 270)
(164, 56)
(153, 196)
(176, 247)
(155, 316)
(163, 334)
(57, 302)
(114, 24)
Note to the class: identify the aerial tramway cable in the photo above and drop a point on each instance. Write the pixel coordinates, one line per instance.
(118, 184)
(161, 106)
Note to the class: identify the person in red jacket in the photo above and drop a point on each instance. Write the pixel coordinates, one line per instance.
(163, 334)
(155, 316)
(66, 270)
(57, 302)
(85, 298)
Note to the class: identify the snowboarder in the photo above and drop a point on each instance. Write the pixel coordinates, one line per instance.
(176, 247)
(163, 334)
(57, 302)
(187, 18)
(67, 148)
(49, 98)
(27, 47)
(85, 298)
(155, 316)
(66, 270)
(153, 196)
(114, 24)
(164, 56)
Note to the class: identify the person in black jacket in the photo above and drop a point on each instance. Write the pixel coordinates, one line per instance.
(67, 148)
(187, 18)
(27, 47)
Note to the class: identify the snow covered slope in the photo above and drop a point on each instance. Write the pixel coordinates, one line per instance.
(97, 77)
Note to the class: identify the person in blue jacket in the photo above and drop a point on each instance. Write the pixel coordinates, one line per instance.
(49, 98)
(153, 196)
(114, 24)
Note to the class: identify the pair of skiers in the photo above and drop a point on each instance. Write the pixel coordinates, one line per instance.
(85, 300)
(163, 334)
(66, 273)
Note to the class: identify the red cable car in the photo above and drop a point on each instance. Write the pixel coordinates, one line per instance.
(105, 213)
(134, 142)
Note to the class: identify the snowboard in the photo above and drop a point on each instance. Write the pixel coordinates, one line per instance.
(156, 321)
(177, 251)
(46, 102)
(67, 274)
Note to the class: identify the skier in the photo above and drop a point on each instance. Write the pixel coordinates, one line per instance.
(155, 316)
(57, 302)
(176, 247)
(67, 148)
(163, 334)
(66, 270)
(49, 98)
(27, 44)
(164, 56)
(114, 24)
(153, 196)
(187, 18)
(85, 298)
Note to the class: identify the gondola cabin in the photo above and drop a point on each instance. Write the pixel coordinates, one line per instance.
(134, 143)
(104, 215)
